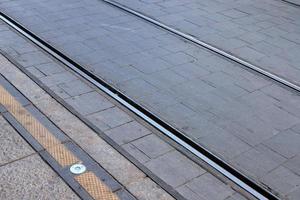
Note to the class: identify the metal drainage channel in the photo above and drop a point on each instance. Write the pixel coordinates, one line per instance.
(214, 161)
(206, 45)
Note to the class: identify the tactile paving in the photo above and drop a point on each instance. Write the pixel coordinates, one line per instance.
(96, 188)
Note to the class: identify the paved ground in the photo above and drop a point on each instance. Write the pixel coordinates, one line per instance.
(148, 150)
(23, 174)
(249, 121)
(264, 32)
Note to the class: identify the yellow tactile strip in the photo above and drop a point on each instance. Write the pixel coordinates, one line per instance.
(95, 187)
(88, 180)
(57, 150)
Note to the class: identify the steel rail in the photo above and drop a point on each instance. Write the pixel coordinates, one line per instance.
(210, 47)
(214, 161)
(291, 3)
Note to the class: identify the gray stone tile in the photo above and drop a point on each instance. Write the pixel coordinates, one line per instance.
(34, 71)
(285, 143)
(188, 193)
(236, 196)
(249, 53)
(164, 79)
(151, 65)
(12, 145)
(124, 195)
(89, 103)
(294, 164)
(280, 119)
(33, 59)
(130, 87)
(13, 91)
(111, 117)
(210, 187)
(152, 146)
(136, 153)
(282, 180)
(176, 112)
(127, 132)
(224, 144)
(31, 178)
(178, 58)
(190, 70)
(76, 87)
(259, 161)
(295, 194)
(60, 92)
(58, 78)
(169, 168)
(50, 68)
(234, 13)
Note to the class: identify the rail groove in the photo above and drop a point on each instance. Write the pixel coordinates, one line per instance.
(214, 161)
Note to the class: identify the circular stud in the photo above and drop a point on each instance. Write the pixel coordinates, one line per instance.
(77, 168)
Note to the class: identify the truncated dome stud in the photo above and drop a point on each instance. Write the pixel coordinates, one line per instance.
(77, 168)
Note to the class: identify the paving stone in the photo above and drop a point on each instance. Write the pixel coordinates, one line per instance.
(31, 178)
(278, 117)
(189, 194)
(282, 180)
(136, 153)
(60, 92)
(164, 79)
(176, 112)
(130, 87)
(74, 88)
(249, 53)
(111, 117)
(89, 103)
(295, 194)
(209, 187)
(285, 143)
(124, 195)
(190, 71)
(12, 145)
(251, 130)
(50, 68)
(259, 161)
(158, 100)
(294, 164)
(152, 146)
(169, 168)
(146, 189)
(127, 132)
(224, 144)
(236, 196)
(234, 13)
(34, 71)
(178, 58)
(151, 65)
(58, 78)
(33, 59)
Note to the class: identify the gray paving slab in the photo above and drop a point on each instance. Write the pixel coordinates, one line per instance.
(31, 178)
(110, 118)
(230, 102)
(152, 146)
(170, 167)
(86, 103)
(283, 180)
(13, 147)
(127, 132)
(262, 20)
(208, 186)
